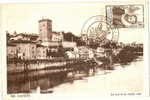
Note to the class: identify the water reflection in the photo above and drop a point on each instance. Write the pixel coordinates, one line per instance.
(29, 81)
(45, 80)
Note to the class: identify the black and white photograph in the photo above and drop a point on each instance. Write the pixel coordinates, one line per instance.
(74, 48)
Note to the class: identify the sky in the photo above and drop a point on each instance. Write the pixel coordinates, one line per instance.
(67, 17)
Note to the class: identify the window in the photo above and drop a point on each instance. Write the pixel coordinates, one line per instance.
(49, 28)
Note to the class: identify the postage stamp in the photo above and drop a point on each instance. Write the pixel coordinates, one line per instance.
(126, 16)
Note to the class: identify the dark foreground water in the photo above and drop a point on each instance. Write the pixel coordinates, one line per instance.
(46, 80)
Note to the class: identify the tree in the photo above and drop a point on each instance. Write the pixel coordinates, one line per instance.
(72, 38)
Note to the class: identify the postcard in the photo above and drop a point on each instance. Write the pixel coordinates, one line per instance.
(74, 49)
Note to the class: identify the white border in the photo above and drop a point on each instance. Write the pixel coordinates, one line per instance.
(146, 49)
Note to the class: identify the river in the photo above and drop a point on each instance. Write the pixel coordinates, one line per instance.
(124, 79)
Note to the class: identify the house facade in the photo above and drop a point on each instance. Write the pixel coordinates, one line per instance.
(26, 50)
(11, 50)
(41, 52)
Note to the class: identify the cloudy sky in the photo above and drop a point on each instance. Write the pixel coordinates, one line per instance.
(65, 17)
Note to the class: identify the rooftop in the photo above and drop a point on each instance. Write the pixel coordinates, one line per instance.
(45, 20)
(21, 41)
(39, 45)
(11, 44)
(27, 35)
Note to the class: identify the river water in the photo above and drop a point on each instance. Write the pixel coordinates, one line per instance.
(124, 79)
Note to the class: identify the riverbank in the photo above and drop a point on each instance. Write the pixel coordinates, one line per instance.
(124, 80)
(48, 74)
(21, 66)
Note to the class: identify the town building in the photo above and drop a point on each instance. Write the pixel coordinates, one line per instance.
(25, 37)
(100, 52)
(33, 46)
(66, 44)
(51, 44)
(57, 36)
(45, 30)
(85, 52)
(72, 54)
(11, 50)
(48, 37)
(41, 52)
(25, 50)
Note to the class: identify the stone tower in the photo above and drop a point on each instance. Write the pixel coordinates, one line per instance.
(45, 30)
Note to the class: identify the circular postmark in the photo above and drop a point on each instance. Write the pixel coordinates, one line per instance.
(98, 29)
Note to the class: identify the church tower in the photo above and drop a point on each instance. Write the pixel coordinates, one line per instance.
(45, 30)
